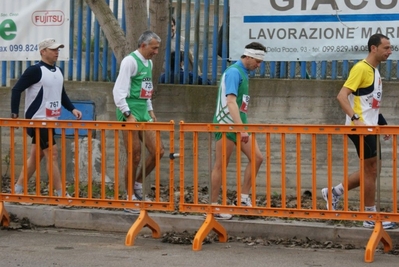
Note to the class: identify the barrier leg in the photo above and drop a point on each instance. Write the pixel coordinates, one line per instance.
(4, 217)
(379, 234)
(142, 221)
(209, 224)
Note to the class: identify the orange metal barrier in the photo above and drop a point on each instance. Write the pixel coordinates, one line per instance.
(314, 156)
(318, 151)
(109, 194)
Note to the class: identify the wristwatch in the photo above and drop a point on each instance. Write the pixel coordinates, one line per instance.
(355, 117)
(126, 114)
(14, 115)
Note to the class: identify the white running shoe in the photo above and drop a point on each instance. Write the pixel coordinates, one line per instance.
(139, 195)
(133, 210)
(245, 202)
(62, 206)
(220, 216)
(385, 225)
(335, 198)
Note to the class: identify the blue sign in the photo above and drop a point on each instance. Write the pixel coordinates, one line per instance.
(88, 113)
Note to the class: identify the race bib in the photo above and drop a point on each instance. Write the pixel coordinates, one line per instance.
(53, 109)
(146, 88)
(244, 104)
(376, 100)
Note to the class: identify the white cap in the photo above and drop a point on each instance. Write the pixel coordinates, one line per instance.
(49, 43)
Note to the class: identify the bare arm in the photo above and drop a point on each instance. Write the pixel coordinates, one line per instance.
(235, 115)
(342, 98)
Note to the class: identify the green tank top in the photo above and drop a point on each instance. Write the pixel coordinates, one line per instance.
(141, 89)
(141, 84)
(222, 114)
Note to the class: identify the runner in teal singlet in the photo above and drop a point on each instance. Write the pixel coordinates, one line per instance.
(231, 108)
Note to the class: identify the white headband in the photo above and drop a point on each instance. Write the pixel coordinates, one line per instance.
(258, 54)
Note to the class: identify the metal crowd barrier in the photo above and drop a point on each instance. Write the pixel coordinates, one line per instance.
(316, 147)
(111, 160)
(314, 156)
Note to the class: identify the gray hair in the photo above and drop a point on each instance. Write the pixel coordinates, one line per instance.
(147, 36)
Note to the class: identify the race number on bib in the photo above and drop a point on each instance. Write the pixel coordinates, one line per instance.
(376, 100)
(53, 109)
(244, 104)
(146, 89)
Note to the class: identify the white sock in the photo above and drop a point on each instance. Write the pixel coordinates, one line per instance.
(338, 190)
(138, 185)
(18, 188)
(59, 193)
(244, 196)
(372, 208)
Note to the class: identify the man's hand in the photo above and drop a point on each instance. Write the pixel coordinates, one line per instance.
(152, 115)
(358, 122)
(244, 137)
(131, 118)
(77, 114)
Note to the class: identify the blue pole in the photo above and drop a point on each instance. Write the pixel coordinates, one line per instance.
(323, 69)
(292, 69)
(168, 45)
(205, 43)
(177, 44)
(272, 69)
(224, 34)
(262, 69)
(196, 38)
(4, 73)
(71, 42)
(313, 70)
(96, 51)
(12, 69)
(215, 42)
(187, 41)
(334, 70)
(345, 69)
(88, 43)
(79, 43)
(105, 54)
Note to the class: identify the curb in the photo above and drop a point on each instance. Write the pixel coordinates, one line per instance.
(119, 221)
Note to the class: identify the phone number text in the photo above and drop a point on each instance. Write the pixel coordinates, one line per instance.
(325, 49)
(19, 48)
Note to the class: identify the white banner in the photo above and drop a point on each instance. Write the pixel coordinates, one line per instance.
(24, 23)
(312, 30)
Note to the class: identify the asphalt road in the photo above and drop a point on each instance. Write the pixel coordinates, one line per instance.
(49, 247)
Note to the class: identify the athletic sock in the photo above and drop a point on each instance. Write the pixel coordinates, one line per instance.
(372, 208)
(138, 185)
(338, 190)
(18, 189)
(244, 196)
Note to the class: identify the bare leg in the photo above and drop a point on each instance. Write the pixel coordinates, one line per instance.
(52, 160)
(30, 165)
(217, 167)
(246, 149)
(370, 176)
(150, 143)
(135, 157)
